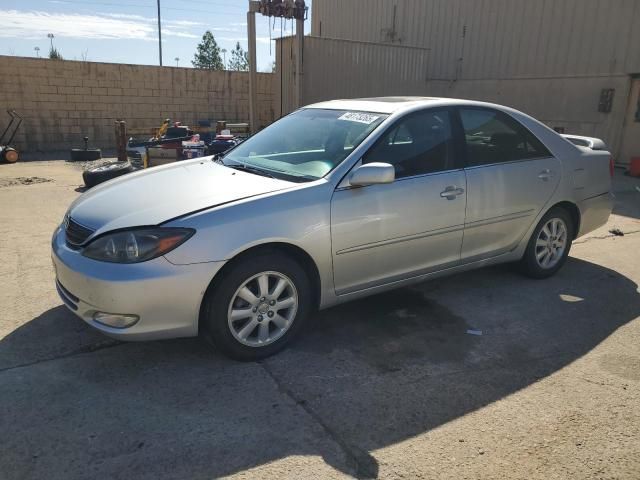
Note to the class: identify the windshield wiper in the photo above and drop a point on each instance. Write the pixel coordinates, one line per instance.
(247, 168)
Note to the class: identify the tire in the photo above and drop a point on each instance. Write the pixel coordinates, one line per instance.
(107, 171)
(223, 298)
(533, 260)
(82, 155)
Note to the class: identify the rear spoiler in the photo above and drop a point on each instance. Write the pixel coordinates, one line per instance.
(590, 142)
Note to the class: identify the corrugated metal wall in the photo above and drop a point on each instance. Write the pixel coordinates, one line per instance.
(357, 69)
(549, 58)
(285, 76)
(489, 39)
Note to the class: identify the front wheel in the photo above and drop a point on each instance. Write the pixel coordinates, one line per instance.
(257, 307)
(549, 245)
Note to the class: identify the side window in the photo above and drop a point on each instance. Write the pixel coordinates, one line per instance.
(418, 144)
(494, 137)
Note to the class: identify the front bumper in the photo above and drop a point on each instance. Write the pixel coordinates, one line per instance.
(165, 297)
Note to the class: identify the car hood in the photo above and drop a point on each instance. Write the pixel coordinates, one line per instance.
(153, 196)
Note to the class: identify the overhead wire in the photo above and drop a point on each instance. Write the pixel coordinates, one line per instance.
(137, 5)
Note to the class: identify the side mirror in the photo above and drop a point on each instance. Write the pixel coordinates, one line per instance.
(372, 174)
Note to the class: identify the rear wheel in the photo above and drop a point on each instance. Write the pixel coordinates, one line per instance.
(257, 307)
(549, 245)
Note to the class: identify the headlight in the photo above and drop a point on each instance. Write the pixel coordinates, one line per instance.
(134, 246)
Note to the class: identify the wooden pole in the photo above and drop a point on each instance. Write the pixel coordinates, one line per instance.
(121, 140)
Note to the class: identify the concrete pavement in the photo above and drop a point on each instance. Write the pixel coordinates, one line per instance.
(391, 386)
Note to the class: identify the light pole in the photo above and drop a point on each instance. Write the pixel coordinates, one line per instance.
(224, 56)
(50, 37)
(159, 34)
(177, 59)
(37, 49)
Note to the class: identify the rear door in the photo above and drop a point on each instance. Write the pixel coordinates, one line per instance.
(510, 177)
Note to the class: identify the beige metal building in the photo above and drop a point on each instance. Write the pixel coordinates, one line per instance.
(574, 64)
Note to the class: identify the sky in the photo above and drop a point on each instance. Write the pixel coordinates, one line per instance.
(125, 31)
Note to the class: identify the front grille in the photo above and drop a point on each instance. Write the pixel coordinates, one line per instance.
(75, 233)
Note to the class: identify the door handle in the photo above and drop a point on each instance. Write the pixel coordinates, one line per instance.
(451, 192)
(545, 175)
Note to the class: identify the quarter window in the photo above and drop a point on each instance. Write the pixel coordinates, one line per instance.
(494, 137)
(418, 144)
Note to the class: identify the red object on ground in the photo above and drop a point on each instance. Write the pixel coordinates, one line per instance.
(612, 167)
(634, 168)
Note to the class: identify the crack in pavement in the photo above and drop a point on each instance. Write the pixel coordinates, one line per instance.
(360, 461)
(604, 237)
(78, 351)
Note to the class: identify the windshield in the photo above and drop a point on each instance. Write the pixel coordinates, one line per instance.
(305, 145)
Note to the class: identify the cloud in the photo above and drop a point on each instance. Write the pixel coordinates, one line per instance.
(174, 33)
(105, 26)
(183, 23)
(126, 16)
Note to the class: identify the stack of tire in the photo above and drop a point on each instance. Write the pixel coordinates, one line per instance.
(106, 171)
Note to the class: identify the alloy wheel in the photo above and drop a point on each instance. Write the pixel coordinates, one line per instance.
(551, 243)
(262, 309)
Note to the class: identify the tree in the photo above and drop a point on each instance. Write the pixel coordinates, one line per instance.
(208, 53)
(54, 54)
(239, 59)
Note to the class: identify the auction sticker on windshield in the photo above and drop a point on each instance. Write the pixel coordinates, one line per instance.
(366, 118)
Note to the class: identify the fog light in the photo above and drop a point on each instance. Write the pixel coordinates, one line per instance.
(115, 320)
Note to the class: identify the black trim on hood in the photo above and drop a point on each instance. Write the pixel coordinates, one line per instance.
(218, 205)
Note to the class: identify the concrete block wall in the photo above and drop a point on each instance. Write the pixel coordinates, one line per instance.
(62, 101)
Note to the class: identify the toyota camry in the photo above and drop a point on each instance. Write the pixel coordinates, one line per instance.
(333, 202)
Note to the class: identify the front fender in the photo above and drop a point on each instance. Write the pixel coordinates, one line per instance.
(299, 217)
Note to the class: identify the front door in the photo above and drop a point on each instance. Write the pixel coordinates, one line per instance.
(385, 233)
(510, 177)
(630, 146)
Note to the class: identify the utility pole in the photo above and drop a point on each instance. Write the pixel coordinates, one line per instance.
(177, 59)
(299, 63)
(159, 34)
(37, 49)
(253, 74)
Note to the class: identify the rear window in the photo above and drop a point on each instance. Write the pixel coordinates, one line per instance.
(494, 137)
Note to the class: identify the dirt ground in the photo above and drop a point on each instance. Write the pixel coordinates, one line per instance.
(391, 386)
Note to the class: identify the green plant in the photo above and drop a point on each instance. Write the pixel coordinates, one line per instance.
(54, 54)
(207, 55)
(239, 59)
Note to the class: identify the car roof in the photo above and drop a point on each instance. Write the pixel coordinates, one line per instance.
(391, 105)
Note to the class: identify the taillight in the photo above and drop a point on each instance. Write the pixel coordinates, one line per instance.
(611, 167)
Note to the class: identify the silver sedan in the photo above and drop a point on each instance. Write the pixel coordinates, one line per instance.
(333, 202)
